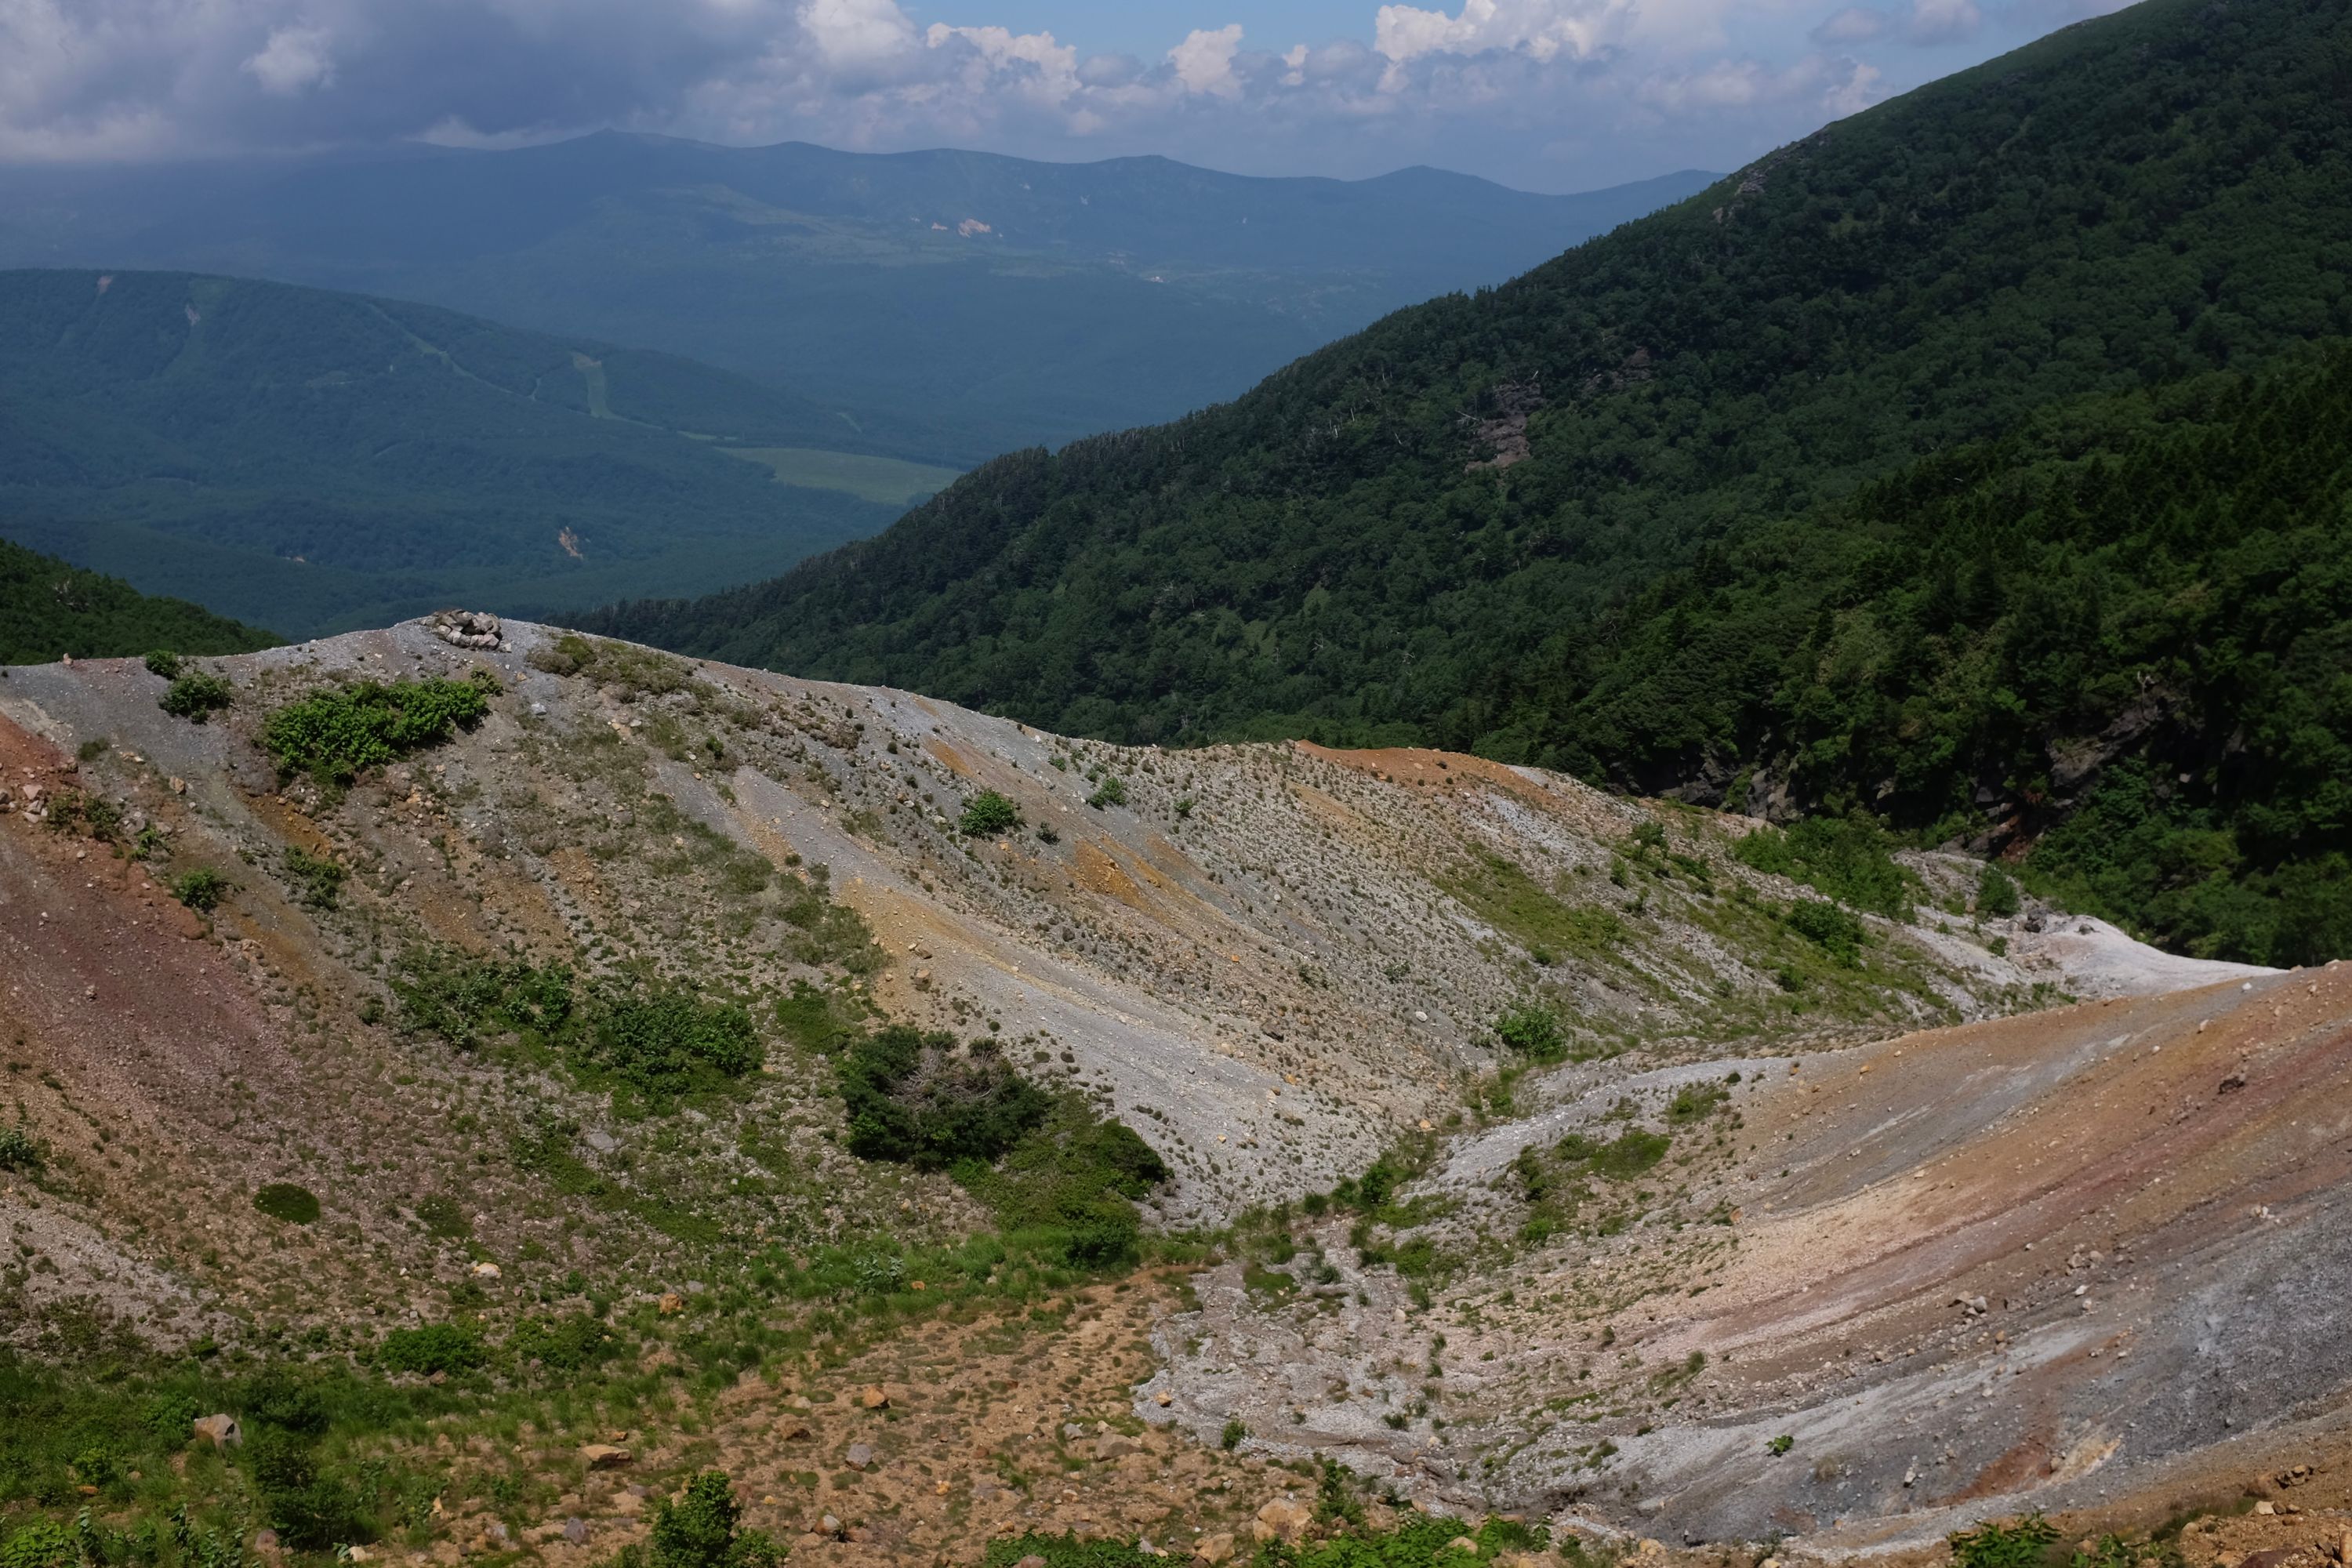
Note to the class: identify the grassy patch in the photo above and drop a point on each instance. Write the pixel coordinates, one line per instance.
(1848, 859)
(890, 481)
(1508, 899)
(285, 1201)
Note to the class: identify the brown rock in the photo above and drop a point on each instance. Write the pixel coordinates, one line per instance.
(672, 1303)
(793, 1431)
(1284, 1519)
(874, 1398)
(1215, 1549)
(604, 1457)
(223, 1430)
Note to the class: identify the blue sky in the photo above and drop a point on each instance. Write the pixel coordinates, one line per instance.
(1550, 95)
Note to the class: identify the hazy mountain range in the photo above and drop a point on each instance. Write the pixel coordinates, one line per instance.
(942, 305)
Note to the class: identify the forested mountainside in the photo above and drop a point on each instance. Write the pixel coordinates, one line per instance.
(1750, 426)
(48, 607)
(969, 303)
(304, 459)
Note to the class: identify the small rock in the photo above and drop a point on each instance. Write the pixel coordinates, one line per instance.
(575, 1531)
(222, 1429)
(860, 1456)
(1164, 1398)
(1462, 1543)
(793, 1431)
(1215, 1549)
(829, 1525)
(672, 1303)
(604, 1457)
(2266, 1508)
(267, 1541)
(486, 1271)
(874, 1398)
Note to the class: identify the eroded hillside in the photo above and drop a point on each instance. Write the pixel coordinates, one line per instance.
(1773, 1168)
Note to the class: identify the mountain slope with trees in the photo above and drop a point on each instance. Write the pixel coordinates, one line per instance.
(48, 607)
(1443, 530)
(309, 460)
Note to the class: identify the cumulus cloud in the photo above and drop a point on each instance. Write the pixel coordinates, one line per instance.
(1552, 92)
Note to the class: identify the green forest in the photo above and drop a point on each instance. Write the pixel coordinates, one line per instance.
(1976, 463)
(324, 461)
(49, 608)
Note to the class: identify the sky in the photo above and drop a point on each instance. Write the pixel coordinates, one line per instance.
(1546, 95)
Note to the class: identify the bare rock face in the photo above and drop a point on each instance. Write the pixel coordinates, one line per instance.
(467, 628)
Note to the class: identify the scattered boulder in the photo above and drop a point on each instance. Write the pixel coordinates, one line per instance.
(605, 1456)
(874, 1398)
(223, 1430)
(860, 1456)
(672, 1303)
(575, 1531)
(1216, 1549)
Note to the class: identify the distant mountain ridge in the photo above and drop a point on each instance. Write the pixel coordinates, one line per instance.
(941, 305)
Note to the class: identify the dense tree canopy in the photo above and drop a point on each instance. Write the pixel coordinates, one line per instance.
(49, 608)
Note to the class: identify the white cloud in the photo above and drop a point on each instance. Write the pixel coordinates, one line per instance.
(1544, 29)
(1550, 92)
(293, 59)
(1204, 61)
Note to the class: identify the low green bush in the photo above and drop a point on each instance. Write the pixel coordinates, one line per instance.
(1996, 893)
(164, 662)
(196, 696)
(435, 1347)
(19, 1150)
(1835, 932)
(1993, 1546)
(1533, 1030)
(912, 1099)
(202, 890)
(337, 733)
(701, 1528)
(570, 1344)
(285, 1201)
(988, 814)
(1110, 792)
(318, 878)
(670, 1041)
(1848, 859)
